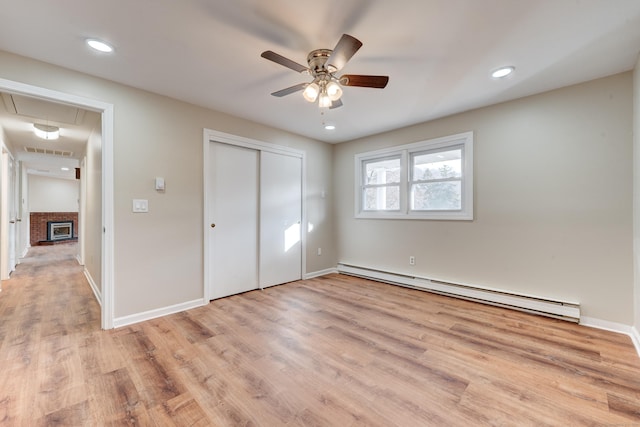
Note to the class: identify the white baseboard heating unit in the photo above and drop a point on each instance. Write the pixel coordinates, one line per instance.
(569, 311)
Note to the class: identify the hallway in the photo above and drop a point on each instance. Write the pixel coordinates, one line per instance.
(46, 309)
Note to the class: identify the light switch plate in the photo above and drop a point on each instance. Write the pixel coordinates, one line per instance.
(159, 183)
(140, 205)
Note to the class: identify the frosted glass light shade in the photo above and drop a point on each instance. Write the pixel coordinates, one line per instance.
(311, 92)
(334, 91)
(324, 101)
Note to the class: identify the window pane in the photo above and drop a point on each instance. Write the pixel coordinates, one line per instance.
(438, 165)
(434, 196)
(382, 198)
(382, 172)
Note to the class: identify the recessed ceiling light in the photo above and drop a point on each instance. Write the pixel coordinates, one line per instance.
(64, 169)
(503, 72)
(100, 45)
(330, 127)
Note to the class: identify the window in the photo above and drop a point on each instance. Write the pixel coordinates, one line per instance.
(426, 180)
(436, 180)
(381, 184)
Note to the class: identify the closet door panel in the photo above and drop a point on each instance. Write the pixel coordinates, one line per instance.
(280, 218)
(233, 230)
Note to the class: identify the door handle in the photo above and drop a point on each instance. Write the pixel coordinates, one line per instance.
(13, 221)
(213, 226)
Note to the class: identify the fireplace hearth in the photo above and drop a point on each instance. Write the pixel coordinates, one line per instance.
(59, 230)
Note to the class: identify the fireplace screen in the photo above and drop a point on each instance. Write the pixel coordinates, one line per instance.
(59, 230)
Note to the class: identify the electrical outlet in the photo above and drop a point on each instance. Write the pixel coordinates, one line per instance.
(412, 260)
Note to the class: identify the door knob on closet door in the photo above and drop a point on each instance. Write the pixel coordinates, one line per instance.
(213, 226)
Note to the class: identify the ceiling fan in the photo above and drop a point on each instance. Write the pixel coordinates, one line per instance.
(326, 87)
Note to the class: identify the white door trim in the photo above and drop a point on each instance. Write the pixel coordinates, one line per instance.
(106, 109)
(210, 136)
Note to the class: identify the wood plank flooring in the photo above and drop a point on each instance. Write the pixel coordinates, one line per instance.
(331, 351)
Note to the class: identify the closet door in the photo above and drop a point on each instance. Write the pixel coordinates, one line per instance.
(280, 218)
(233, 233)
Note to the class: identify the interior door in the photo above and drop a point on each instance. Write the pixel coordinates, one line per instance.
(233, 210)
(7, 216)
(280, 218)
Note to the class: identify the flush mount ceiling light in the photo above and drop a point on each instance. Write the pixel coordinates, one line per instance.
(46, 132)
(503, 72)
(329, 126)
(100, 46)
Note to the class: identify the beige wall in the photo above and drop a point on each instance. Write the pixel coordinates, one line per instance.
(636, 191)
(159, 255)
(48, 194)
(92, 227)
(553, 202)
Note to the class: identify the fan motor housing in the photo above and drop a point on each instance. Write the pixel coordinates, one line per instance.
(317, 60)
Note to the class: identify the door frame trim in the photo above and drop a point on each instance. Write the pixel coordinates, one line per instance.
(213, 136)
(107, 113)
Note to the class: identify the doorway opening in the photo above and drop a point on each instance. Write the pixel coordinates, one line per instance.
(102, 232)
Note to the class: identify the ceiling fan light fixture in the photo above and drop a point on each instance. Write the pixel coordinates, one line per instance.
(334, 91)
(324, 101)
(46, 132)
(311, 92)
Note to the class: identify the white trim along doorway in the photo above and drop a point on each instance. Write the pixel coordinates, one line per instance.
(260, 277)
(107, 293)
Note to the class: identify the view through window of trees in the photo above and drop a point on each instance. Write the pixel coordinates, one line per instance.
(427, 180)
(436, 182)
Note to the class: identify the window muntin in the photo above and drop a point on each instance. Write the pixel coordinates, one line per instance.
(381, 189)
(436, 180)
(430, 179)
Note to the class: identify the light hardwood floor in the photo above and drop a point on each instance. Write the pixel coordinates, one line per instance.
(332, 351)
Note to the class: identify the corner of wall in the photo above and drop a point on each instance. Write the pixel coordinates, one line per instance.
(636, 200)
(635, 337)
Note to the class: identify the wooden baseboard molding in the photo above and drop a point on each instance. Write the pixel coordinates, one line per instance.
(158, 312)
(564, 310)
(320, 273)
(621, 328)
(94, 287)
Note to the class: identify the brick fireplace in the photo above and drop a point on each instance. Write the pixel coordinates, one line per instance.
(40, 221)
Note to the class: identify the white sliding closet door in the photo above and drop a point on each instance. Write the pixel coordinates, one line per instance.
(280, 218)
(233, 210)
(254, 218)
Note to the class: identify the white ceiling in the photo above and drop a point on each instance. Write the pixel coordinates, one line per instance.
(437, 53)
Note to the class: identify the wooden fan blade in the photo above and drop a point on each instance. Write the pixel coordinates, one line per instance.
(378, 82)
(335, 104)
(279, 59)
(290, 90)
(344, 50)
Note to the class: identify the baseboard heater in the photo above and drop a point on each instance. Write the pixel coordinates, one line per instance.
(569, 311)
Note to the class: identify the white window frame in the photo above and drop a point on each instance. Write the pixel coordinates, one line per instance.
(385, 186)
(464, 140)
